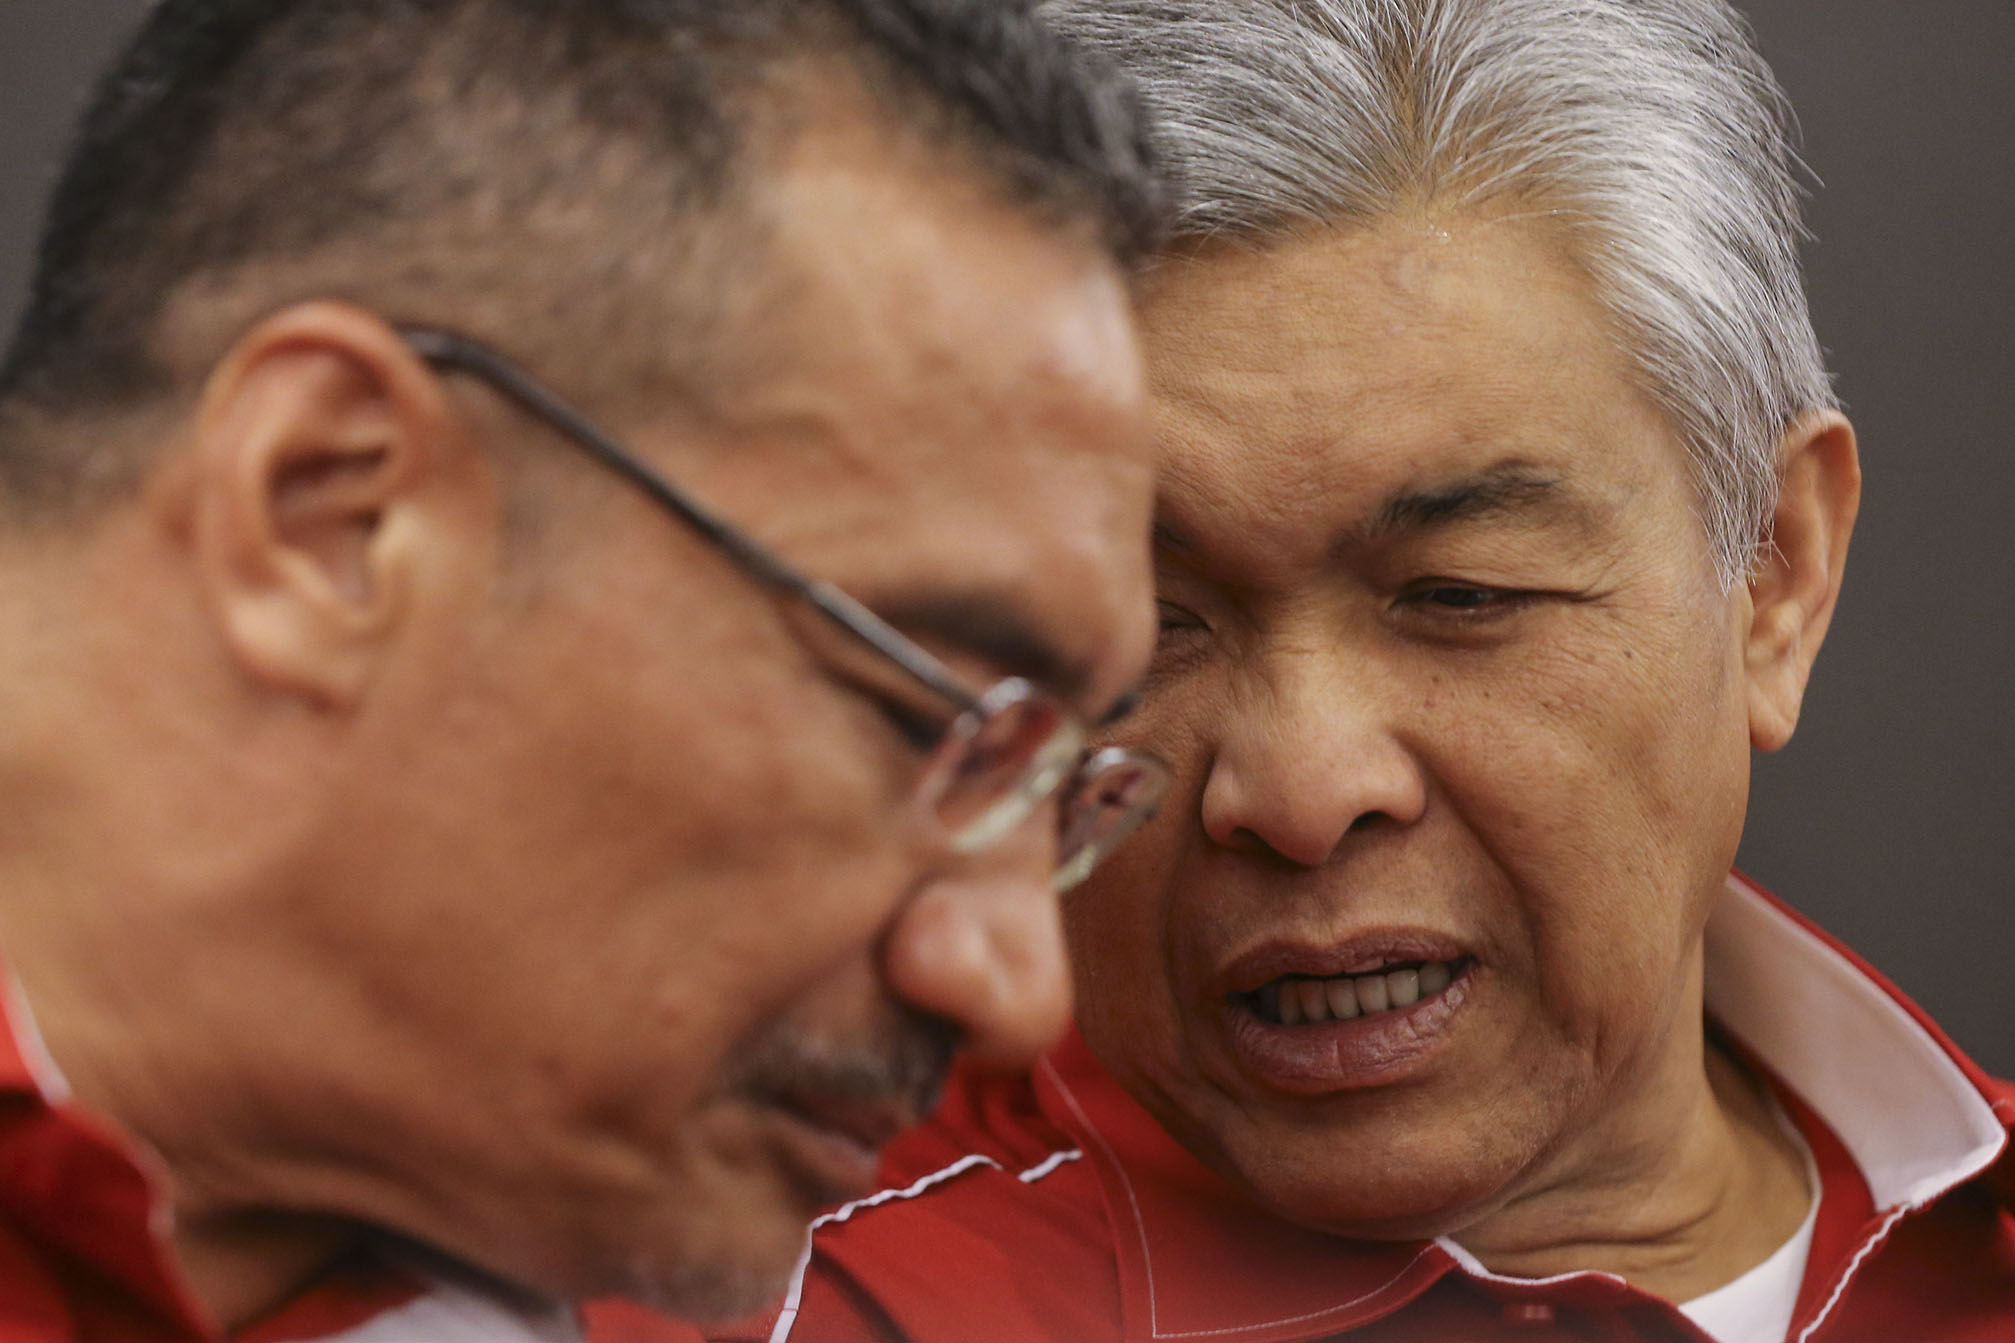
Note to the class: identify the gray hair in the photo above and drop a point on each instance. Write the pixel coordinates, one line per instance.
(1651, 128)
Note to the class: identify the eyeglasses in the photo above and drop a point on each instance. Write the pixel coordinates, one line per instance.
(1005, 751)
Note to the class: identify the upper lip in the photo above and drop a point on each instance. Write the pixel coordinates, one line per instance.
(1355, 954)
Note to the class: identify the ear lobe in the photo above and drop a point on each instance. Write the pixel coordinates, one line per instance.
(321, 444)
(1794, 590)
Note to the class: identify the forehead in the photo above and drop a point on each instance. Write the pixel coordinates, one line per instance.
(952, 426)
(1350, 370)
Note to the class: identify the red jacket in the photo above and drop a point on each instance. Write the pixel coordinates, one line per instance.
(1052, 1208)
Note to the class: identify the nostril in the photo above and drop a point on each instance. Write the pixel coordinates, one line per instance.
(1299, 811)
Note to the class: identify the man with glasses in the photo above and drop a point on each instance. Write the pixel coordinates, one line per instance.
(555, 563)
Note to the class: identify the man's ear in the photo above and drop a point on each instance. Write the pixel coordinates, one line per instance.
(1794, 589)
(330, 482)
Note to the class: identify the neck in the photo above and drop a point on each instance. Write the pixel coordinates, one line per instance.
(238, 1262)
(244, 1266)
(1715, 1194)
(126, 877)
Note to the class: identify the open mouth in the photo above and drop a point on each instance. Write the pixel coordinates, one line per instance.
(1299, 1000)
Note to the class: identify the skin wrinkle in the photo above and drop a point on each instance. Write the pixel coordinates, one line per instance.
(1556, 784)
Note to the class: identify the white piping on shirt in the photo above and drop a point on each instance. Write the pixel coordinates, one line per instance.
(794, 1298)
(1847, 1274)
(28, 1042)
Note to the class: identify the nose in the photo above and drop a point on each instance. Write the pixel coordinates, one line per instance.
(1306, 758)
(981, 946)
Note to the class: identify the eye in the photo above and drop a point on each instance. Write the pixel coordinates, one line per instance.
(1181, 641)
(921, 731)
(1461, 597)
(1174, 619)
(1465, 603)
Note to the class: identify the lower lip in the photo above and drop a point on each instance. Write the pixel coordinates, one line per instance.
(827, 1165)
(1318, 1058)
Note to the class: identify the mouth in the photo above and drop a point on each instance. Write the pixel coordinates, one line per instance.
(827, 1107)
(1314, 1021)
(871, 1124)
(832, 1146)
(1297, 1000)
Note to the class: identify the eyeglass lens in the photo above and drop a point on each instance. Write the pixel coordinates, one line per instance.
(999, 762)
(1116, 793)
(1016, 749)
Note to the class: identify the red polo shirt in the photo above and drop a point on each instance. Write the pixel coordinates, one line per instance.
(1051, 1207)
(85, 1255)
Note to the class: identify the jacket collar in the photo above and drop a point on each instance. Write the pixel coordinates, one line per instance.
(1917, 1116)
(1199, 1261)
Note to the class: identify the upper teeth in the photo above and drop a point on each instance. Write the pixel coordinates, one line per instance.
(1293, 1001)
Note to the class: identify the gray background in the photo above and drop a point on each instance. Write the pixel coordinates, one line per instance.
(1888, 818)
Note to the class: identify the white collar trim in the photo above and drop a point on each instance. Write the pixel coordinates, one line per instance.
(1906, 1112)
(42, 1069)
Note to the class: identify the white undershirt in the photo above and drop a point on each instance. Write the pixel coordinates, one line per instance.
(458, 1312)
(1757, 1307)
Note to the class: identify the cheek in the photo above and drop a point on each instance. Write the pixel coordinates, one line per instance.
(696, 845)
(1605, 776)
(695, 726)
(1127, 926)
(1113, 928)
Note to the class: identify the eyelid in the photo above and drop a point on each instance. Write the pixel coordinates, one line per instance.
(1128, 706)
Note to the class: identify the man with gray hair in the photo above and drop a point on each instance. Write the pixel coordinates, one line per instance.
(1505, 506)
(555, 560)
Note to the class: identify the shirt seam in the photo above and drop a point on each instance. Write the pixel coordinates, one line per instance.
(1147, 1255)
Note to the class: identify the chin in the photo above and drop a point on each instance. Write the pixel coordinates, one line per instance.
(705, 1293)
(708, 1275)
(1368, 1182)
(705, 1251)
(715, 1253)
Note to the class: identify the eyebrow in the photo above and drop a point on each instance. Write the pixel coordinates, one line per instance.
(1510, 490)
(993, 630)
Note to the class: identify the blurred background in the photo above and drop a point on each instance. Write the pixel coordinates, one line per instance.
(1889, 818)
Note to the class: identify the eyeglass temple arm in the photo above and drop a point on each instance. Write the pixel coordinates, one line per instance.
(447, 350)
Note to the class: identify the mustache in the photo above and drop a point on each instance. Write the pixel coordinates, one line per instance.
(902, 1062)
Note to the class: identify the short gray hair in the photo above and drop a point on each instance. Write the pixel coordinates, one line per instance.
(1652, 128)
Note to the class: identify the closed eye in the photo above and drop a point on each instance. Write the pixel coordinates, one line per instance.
(1172, 618)
(1453, 605)
(920, 730)
(1181, 640)
(1464, 597)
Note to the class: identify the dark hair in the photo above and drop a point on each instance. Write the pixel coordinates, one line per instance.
(234, 132)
